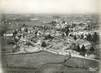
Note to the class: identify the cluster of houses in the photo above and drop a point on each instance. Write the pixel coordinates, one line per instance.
(60, 38)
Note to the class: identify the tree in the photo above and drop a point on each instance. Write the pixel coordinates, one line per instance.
(78, 48)
(43, 44)
(92, 50)
(95, 37)
(75, 37)
(89, 37)
(67, 30)
(83, 50)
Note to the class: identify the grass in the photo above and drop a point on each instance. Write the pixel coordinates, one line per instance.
(44, 62)
(36, 60)
(32, 60)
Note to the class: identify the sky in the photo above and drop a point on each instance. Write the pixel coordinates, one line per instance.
(49, 6)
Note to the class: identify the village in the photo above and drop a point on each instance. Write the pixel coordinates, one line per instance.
(75, 39)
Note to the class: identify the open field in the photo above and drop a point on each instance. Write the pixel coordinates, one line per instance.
(45, 59)
(48, 69)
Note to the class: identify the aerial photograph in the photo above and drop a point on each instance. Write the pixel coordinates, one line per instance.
(49, 43)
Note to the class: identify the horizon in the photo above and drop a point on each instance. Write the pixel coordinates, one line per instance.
(60, 7)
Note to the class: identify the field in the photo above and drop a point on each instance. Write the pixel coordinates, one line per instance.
(43, 60)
